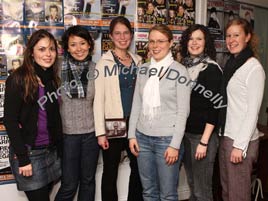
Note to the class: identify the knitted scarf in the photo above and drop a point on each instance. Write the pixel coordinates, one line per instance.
(74, 77)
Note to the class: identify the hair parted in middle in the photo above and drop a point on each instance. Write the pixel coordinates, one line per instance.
(164, 29)
(121, 20)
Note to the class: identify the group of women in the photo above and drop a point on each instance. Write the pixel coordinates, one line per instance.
(168, 120)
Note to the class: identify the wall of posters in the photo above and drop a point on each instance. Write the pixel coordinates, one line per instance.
(219, 12)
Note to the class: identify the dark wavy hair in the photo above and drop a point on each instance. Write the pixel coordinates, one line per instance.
(80, 32)
(25, 75)
(209, 41)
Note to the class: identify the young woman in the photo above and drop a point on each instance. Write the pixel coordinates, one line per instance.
(32, 118)
(158, 117)
(80, 146)
(113, 100)
(200, 140)
(242, 90)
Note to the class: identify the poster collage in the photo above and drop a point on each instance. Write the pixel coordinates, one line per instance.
(218, 15)
(20, 18)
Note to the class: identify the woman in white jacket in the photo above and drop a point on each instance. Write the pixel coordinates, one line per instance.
(113, 99)
(242, 90)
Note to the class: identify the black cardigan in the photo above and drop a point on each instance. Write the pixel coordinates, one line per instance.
(202, 110)
(21, 119)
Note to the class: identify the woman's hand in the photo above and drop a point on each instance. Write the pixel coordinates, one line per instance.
(201, 152)
(236, 155)
(171, 155)
(134, 147)
(103, 142)
(26, 170)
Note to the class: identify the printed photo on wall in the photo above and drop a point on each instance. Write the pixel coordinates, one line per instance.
(215, 19)
(35, 12)
(53, 12)
(5, 170)
(11, 13)
(247, 12)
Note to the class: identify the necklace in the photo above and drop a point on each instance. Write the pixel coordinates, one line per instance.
(120, 58)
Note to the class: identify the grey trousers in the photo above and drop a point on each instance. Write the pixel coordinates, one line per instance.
(200, 172)
(236, 178)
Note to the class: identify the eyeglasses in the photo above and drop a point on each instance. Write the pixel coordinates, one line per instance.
(157, 42)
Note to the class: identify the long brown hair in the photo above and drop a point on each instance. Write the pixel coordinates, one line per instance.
(25, 74)
(248, 29)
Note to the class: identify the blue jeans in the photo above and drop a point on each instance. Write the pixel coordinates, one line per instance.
(159, 180)
(79, 164)
(200, 172)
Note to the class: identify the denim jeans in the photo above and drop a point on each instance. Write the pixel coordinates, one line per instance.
(159, 180)
(45, 165)
(200, 172)
(80, 158)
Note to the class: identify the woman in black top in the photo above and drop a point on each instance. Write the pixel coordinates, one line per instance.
(201, 142)
(32, 118)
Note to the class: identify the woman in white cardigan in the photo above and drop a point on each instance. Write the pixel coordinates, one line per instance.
(242, 90)
(113, 99)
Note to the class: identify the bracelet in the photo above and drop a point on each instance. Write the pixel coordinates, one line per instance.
(203, 144)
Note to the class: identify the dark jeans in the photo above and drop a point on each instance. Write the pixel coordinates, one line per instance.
(80, 158)
(111, 159)
(200, 172)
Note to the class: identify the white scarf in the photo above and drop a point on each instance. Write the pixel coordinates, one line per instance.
(151, 94)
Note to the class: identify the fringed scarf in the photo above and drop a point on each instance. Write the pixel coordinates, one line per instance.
(74, 77)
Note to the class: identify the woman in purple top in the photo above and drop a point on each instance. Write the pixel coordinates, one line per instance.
(32, 118)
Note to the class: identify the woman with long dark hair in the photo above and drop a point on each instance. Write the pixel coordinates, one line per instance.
(32, 118)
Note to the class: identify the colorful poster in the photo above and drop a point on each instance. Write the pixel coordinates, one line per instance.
(11, 13)
(5, 170)
(215, 20)
(53, 12)
(2, 94)
(231, 11)
(247, 12)
(141, 44)
(3, 67)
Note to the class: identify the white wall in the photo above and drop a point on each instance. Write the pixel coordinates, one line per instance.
(9, 192)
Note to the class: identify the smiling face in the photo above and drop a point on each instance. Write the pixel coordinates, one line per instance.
(53, 12)
(159, 45)
(78, 47)
(121, 36)
(236, 39)
(196, 43)
(44, 53)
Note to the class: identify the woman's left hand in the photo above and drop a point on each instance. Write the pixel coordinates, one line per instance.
(201, 152)
(171, 155)
(236, 155)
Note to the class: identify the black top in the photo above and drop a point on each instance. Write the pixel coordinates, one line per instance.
(20, 120)
(202, 109)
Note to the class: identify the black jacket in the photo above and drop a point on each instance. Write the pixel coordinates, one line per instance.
(21, 119)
